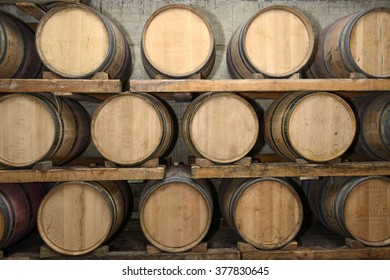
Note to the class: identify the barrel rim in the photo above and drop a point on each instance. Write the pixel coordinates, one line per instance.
(146, 194)
(304, 20)
(207, 97)
(105, 102)
(353, 123)
(206, 22)
(57, 130)
(49, 14)
(349, 29)
(238, 195)
(46, 238)
(356, 183)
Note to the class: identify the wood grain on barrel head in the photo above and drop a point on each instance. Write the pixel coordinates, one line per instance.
(177, 40)
(224, 128)
(74, 218)
(127, 129)
(367, 211)
(321, 127)
(27, 129)
(175, 215)
(370, 42)
(73, 41)
(268, 213)
(278, 41)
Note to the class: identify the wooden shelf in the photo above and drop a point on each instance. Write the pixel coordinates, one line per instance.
(261, 88)
(290, 169)
(40, 1)
(57, 174)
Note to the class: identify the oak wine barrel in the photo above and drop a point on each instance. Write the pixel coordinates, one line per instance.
(75, 218)
(357, 207)
(276, 42)
(18, 55)
(222, 127)
(316, 127)
(18, 211)
(176, 212)
(38, 127)
(355, 43)
(374, 130)
(130, 129)
(265, 212)
(75, 41)
(177, 42)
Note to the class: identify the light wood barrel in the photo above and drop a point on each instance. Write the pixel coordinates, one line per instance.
(276, 42)
(357, 207)
(177, 42)
(175, 213)
(265, 212)
(18, 211)
(374, 131)
(18, 55)
(38, 127)
(222, 127)
(130, 129)
(317, 126)
(76, 217)
(75, 41)
(355, 43)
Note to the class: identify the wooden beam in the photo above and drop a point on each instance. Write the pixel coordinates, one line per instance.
(60, 85)
(39, 1)
(266, 85)
(290, 169)
(32, 9)
(81, 173)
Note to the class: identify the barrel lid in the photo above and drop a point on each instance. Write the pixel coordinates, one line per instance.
(177, 40)
(175, 216)
(74, 218)
(321, 126)
(28, 130)
(127, 129)
(278, 41)
(369, 42)
(73, 41)
(367, 211)
(224, 127)
(268, 213)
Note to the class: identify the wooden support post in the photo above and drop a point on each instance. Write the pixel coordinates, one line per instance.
(202, 162)
(353, 244)
(46, 253)
(246, 161)
(31, 9)
(43, 165)
(154, 162)
(101, 76)
(200, 248)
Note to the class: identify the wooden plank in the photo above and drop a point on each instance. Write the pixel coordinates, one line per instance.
(319, 253)
(82, 173)
(32, 9)
(290, 169)
(60, 85)
(39, 1)
(46, 253)
(260, 85)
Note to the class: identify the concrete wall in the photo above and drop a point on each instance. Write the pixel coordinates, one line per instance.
(225, 16)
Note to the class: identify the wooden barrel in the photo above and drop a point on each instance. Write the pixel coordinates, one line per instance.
(355, 43)
(177, 42)
(176, 212)
(18, 211)
(222, 127)
(38, 127)
(75, 41)
(18, 55)
(374, 131)
(130, 129)
(317, 126)
(265, 212)
(276, 42)
(357, 207)
(76, 217)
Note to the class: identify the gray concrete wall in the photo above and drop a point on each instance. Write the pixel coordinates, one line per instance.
(225, 16)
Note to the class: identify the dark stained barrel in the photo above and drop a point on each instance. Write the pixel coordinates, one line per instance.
(18, 211)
